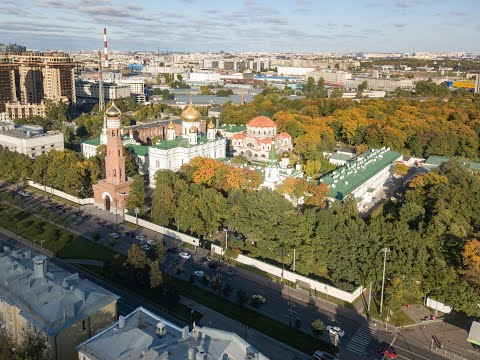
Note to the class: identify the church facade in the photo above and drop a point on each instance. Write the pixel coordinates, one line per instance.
(255, 143)
(175, 151)
(110, 193)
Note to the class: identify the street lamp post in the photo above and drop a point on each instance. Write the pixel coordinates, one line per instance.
(294, 255)
(385, 251)
(226, 242)
(283, 264)
(137, 210)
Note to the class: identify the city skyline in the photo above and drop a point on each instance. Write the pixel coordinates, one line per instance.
(210, 26)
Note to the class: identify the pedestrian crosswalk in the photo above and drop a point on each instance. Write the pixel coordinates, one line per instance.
(360, 340)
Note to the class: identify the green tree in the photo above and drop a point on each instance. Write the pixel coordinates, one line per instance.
(136, 194)
(156, 276)
(136, 258)
(317, 326)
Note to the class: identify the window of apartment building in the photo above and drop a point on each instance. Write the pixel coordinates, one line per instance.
(52, 145)
(43, 147)
(83, 325)
(33, 148)
(33, 154)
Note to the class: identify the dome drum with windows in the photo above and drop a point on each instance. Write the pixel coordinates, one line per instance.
(113, 117)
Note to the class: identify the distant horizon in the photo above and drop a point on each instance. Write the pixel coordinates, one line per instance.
(301, 26)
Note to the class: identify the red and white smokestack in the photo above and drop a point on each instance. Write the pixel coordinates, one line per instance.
(105, 49)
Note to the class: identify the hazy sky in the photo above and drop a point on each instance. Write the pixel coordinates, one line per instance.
(244, 25)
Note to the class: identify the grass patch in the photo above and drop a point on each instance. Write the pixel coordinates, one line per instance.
(277, 330)
(130, 225)
(50, 236)
(54, 197)
(398, 318)
(187, 246)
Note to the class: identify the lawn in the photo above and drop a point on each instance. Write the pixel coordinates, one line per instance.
(50, 236)
(398, 318)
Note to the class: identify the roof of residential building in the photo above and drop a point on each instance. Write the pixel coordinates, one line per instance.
(216, 109)
(135, 336)
(48, 296)
(343, 181)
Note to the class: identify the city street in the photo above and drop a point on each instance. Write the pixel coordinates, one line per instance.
(361, 341)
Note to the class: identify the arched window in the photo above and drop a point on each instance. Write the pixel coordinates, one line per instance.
(114, 172)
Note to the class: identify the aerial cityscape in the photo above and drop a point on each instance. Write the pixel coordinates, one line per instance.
(239, 180)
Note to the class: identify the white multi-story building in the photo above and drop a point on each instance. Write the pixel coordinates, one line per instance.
(331, 76)
(31, 140)
(388, 85)
(112, 91)
(294, 71)
(204, 78)
(136, 86)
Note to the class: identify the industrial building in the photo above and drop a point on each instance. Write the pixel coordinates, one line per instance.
(385, 84)
(145, 335)
(40, 298)
(31, 140)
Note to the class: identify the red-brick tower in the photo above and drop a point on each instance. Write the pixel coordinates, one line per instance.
(109, 194)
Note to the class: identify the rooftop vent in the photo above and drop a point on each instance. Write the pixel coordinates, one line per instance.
(39, 266)
(161, 329)
(121, 322)
(185, 333)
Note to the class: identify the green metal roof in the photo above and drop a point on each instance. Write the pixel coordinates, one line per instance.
(179, 142)
(343, 157)
(94, 141)
(139, 150)
(233, 128)
(435, 160)
(343, 181)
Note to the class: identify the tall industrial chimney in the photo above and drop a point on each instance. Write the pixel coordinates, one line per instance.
(105, 49)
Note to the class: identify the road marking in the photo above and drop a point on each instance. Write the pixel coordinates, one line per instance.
(412, 353)
(360, 340)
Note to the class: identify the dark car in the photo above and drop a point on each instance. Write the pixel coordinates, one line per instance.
(130, 234)
(172, 250)
(111, 226)
(204, 259)
(48, 201)
(214, 265)
(388, 352)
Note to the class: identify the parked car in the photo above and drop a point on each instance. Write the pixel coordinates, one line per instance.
(130, 234)
(185, 255)
(199, 273)
(322, 355)
(151, 242)
(114, 235)
(228, 271)
(214, 265)
(204, 259)
(335, 330)
(172, 250)
(388, 352)
(145, 247)
(258, 299)
(111, 226)
(141, 237)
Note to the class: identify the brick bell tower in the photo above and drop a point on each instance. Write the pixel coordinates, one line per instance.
(110, 193)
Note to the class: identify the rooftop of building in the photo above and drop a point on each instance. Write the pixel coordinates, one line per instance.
(155, 122)
(48, 296)
(216, 109)
(28, 131)
(436, 160)
(136, 337)
(233, 128)
(341, 156)
(180, 142)
(343, 181)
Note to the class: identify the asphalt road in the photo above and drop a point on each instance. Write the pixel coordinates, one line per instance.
(361, 339)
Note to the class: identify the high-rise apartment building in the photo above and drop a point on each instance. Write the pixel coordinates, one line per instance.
(29, 80)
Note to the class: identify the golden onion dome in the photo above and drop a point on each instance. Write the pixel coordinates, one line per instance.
(192, 130)
(113, 111)
(171, 126)
(286, 154)
(190, 114)
(211, 125)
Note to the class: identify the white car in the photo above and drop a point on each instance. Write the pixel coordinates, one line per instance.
(145, 247)
(114, 235)
(335, 330)
(151, 242)
(141, 237)
(199, 273)
(185, 255)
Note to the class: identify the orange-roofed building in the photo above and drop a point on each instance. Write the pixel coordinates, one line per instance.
(255, 142)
